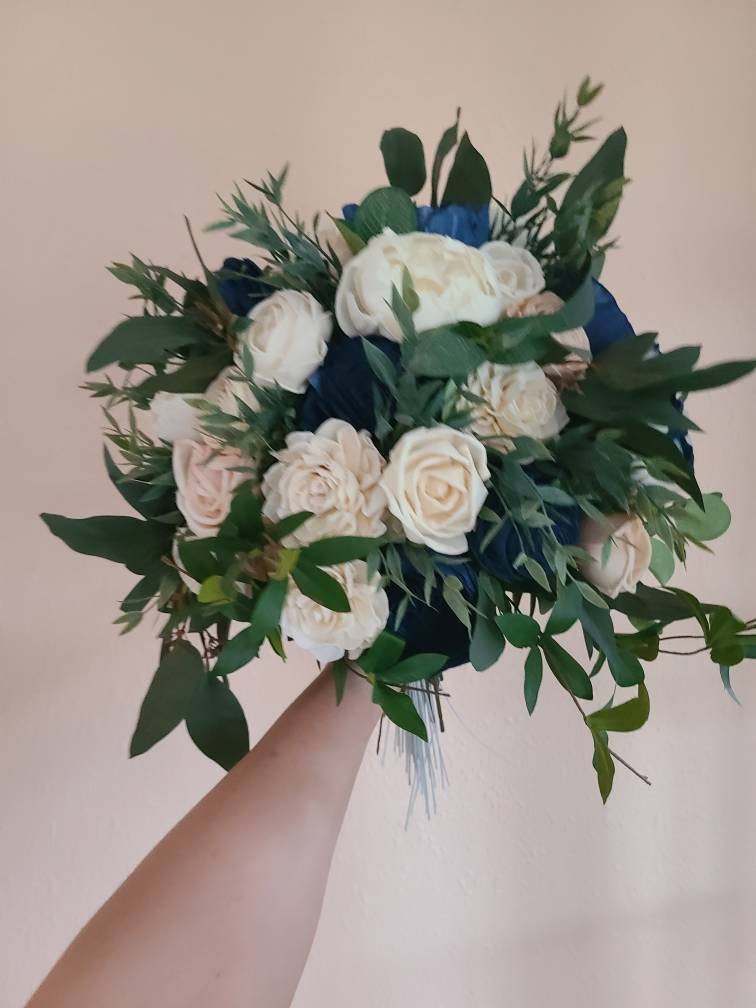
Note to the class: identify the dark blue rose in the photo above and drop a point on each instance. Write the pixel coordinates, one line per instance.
(240, 286)
(433, 629)
(466, 224)
(610, 325)
(499, 555)
(343, 385)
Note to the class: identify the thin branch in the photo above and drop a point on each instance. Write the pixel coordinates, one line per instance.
(684, 653)
(616, 756)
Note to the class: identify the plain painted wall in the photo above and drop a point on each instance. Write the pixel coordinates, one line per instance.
(523, 891)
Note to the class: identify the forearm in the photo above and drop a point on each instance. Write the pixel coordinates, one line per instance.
(224, 909)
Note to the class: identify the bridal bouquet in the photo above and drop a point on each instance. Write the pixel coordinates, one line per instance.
(406, 438)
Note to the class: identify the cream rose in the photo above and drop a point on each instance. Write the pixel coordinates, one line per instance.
(327, 634)
(519, 401)
(453, 282)
(288, 337)
(333, 472)
(177, 417)
(518, 272)
(628, 557)
(567, 372)
(435, 485)
(228, 388)
(205, 483)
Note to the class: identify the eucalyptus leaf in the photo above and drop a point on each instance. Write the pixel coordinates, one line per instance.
(217, 725)
(170, 696)
(404, 159)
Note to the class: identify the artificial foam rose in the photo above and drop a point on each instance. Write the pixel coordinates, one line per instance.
(518, 272)
(518, 401)
(205, 483)
(327, 634)
(435, 485)
(333, 472)
(176, 416)
(567, 372)
(629, 553)
(453, 281)
(288, 337)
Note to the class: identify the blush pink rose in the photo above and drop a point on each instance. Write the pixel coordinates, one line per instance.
(206, 483)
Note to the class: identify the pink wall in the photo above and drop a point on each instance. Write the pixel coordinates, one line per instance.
(524, 890)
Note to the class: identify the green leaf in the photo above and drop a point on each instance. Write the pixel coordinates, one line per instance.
(627, 717)
(217, 725)
(353, 241)
(398, 707)
(569, 672)
(597, 624)
(652, 443)
(724, 672)
(469, 182)
(603, 764)
(446, 146)
(566, 611)
(194, 376)
(244, 520)
(320, 586)
(710, 377)
(245, 646)
(135, 492)
(339, 549)
(520, 630)
(487, 643)
(211, 591)
(137, 544)
(289, 524)
(339, 671)
(662, 561)
(240, 650)
(198, 558)
(444, 353)
(380, 364)
(145, 339)
(414, 669)
(169, 697)
(533, 678)
(705, 523)
(404, 159)
(385, 651)
(388, 207)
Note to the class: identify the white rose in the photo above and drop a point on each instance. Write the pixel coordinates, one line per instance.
(519, 401)
(205, 483)
(573, 367)
(333, 472)
(228, 388)
(518, 272)
(453, 282)
(435, 484)
(288, 337)
(175, 417)
(629, 553)
(328, 634)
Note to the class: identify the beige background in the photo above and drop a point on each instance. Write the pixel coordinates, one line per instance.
(118, 118)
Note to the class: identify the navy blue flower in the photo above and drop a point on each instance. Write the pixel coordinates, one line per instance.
(466, 224)
(343, 385)
(499, 555)
(435, 628)
(609, 323)
(242, 290)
